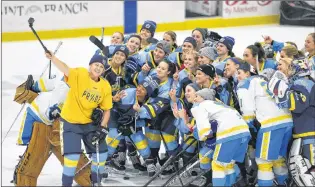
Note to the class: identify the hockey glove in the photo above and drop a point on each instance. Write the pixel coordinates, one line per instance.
(54, 112)
(100, 134)
(126, 130)
(97, 116)
(210, 143)
(213, 36)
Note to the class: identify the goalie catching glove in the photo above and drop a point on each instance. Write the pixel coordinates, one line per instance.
(280, 89)
(278, 84)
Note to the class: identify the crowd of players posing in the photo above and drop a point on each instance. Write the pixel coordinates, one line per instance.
(140, 92)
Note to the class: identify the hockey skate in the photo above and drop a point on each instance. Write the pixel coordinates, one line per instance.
(201, 181)
(112, 166)
(193, 171)
(172, 168)
(122, 158)
(151, 168)
(135, 160)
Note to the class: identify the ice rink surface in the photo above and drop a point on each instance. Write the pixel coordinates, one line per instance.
(20, 59)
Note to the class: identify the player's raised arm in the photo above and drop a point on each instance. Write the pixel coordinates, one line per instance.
(64, 68)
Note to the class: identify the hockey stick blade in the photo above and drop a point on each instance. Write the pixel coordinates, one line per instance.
(100, 45)
(169, 161)
(97, 42)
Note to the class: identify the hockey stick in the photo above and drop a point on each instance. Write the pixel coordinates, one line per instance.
(49, 64)
(102, 35)
(97, 42)
(23, 106)
(167, 152)
(173, 178)
(100, 45)
(184, 169)
(85, 165)
(98, 163)
(170, 160)
(30, 22)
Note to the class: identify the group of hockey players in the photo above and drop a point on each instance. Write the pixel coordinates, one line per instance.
(223, 120)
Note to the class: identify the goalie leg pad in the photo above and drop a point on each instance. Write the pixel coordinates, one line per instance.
(26, 128)
(308, 151)
(83, 177)
(299, 169)
(34, 157)
(300, 166)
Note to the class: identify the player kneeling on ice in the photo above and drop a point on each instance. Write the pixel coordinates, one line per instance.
(40, 132)
(294, 89)
(88, 91)
(125, 121)
(232, 135)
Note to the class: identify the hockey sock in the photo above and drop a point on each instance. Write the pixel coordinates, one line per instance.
(280, 170)
(94, 167)
(70, 164)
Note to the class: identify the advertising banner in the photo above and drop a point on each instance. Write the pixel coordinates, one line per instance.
(245, 8)
(52, 15)
(205, 8)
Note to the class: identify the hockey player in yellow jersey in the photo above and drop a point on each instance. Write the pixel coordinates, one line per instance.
(88, 91)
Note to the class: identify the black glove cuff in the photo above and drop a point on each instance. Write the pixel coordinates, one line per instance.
(104, 130)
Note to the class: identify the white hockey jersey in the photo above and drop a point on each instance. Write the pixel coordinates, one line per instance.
(256, 102)
(231, 125)
(56, 94)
